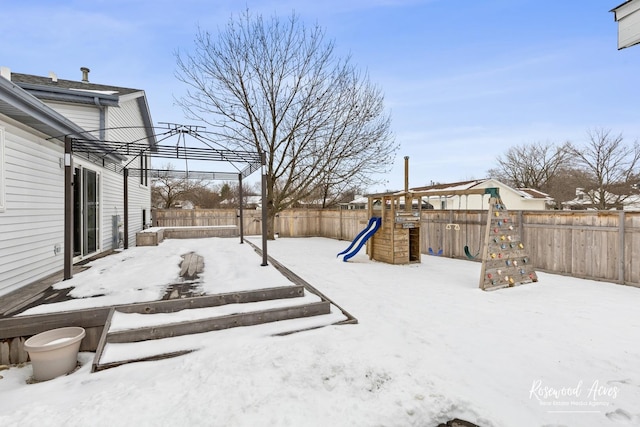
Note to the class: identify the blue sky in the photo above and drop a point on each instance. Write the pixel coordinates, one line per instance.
(463, 80)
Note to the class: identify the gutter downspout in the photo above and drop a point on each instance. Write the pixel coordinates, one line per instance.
(101, 130)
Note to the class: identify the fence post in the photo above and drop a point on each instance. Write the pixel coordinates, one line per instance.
(621, 245)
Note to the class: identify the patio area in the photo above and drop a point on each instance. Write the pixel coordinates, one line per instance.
(197, 280)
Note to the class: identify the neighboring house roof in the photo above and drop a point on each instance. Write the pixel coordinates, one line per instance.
(248, 200)
(461, 185)
(359, 200)
(583, 200)
(525, 193)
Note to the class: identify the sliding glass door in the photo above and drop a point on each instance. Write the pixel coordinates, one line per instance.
(86, 191)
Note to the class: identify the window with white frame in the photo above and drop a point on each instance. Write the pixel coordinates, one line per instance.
(2, 170)
(144, 170)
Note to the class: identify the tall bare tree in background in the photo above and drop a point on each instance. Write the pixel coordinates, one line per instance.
(166, 189)
(276, 86)
(612, 165)
(531, 165)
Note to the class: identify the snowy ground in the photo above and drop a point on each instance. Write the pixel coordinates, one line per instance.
(430, 346)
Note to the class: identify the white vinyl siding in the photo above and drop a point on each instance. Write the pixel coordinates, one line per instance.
(84, 115)
(628, 17)
(139, 199)
(125, 125)
(112, 204)
(32, 224)
(2, 167)
(32, 190)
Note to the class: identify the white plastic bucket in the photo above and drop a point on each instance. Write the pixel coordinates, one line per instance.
(54, 353)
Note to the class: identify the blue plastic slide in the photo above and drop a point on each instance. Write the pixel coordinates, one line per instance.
(361, 238)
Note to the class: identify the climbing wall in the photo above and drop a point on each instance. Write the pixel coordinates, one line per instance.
(505, 261)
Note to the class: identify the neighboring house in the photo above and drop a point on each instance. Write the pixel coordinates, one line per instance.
(250, 202)
(35, 115)
(583, 201)
(514, 199)
(183, 204)
(359, 202)
(627, 15)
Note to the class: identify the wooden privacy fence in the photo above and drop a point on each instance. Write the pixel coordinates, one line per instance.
(600, 245)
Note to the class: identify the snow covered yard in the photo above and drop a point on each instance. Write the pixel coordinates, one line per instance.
(430, 346)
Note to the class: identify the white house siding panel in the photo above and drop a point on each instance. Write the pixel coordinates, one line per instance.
(2, 169)
(32, 224)
(511, 199)
(629, 30)
(85, 116)
(112, 205)
(124, 124)
(139, 200)
(628, 17)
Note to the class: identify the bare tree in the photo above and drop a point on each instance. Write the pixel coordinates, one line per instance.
(612, 163)
(205, 197)
(166, 189)
(565, 181)
(531, 165)
(277, 86)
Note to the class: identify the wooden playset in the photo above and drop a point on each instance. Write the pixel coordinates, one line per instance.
(396, 240)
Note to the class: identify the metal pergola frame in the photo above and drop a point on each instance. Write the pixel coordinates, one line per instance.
(105, 151)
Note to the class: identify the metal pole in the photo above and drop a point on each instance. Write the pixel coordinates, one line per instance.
(125, 173)
(241, 216)
(68, 209)
(265, 206)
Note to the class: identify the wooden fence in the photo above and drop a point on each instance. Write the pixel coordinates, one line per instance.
(599, 245)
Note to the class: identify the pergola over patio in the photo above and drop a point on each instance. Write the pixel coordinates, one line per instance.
(103, 152)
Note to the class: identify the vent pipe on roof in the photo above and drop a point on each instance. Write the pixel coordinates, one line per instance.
(85, 74)
(53, 77)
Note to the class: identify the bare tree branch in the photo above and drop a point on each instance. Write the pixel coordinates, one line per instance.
(277, 86)
(613, 165)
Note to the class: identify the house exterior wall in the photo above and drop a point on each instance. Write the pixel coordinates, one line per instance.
(127, 117)
(512, 200)
(32, 191)
(628, 17)
(32, 223)
(85, 116)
